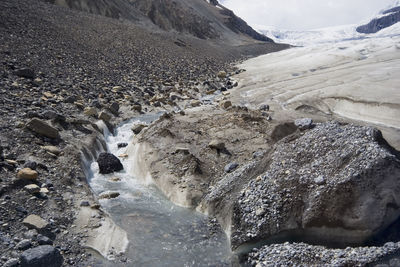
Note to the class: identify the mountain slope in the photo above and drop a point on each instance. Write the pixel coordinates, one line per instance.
(200, 18)
(386, 19)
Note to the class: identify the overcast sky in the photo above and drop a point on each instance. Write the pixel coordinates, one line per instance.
(305, 14)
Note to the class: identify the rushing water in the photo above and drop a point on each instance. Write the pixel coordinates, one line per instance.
(159, 232)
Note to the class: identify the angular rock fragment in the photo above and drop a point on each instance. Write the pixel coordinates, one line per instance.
(41, 256)
(35, 222)
(25, 73)
(52, 149)
(43, 128)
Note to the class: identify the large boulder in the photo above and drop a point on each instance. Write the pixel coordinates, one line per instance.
(332, 185)
(41, 256)
(108, 163)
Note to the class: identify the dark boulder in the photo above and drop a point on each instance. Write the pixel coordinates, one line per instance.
(108, 163)
(41, 256)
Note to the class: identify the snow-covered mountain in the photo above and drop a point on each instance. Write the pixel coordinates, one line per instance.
(385, 23)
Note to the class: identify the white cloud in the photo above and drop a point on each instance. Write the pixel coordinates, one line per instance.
(305, 14)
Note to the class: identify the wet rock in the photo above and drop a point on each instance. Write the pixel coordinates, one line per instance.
(24, 244)
(41, 256)
(121, 145)
(226, 104)
(25, 73)
(27, 174)
(108, 163)
(114, 108)
(231, 167)
(137, 107)
(109, 195)
(137, 128)
(32, 188)
(322, 180)
(304, 124)
(105, 116)
(115, 179)
(43, 128)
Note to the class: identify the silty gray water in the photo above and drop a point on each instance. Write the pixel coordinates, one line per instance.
(159, 232)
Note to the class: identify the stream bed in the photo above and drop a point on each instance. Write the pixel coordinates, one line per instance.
(159, 232)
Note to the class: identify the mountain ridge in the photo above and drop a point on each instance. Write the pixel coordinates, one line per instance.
(201, 18)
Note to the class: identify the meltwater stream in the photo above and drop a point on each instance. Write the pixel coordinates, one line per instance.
(159, 232)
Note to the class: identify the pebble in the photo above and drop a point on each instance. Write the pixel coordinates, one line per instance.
(231, 167)
(32, 188)
(27, 174)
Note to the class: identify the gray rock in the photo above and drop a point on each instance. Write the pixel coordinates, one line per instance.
(137, 128)
(70, 99)
(114, 108)
(25, 73)
(319, 180)
(41, 256)
(11, 263)
(108, 195)
(85, 203)
(24, 244)
(35, 222)
(43, 128)
(316, 188)
(264, 107)
(230, 167)
(108, 163)
(303, 124)
(105, 116)
(44, 240)
(31, 165)
(31, 234)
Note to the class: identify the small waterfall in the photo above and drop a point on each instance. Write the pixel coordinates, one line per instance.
(159, 232)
